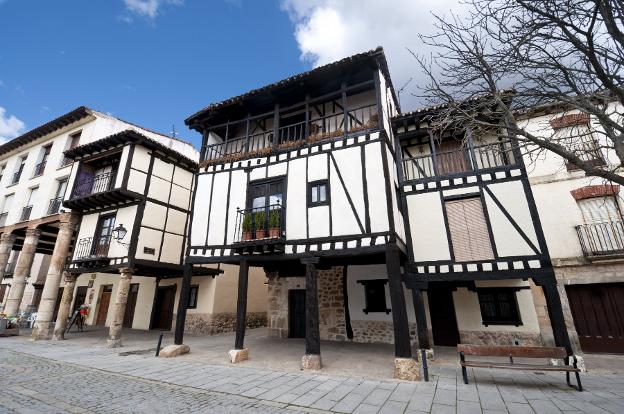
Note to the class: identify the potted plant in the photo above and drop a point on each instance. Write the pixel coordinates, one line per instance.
(247, 226)
(274, 222)
(260, 222)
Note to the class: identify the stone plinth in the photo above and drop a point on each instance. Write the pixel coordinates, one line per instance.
(580, 362)
(238, 355)
(406, 369)
(428, 354)
(174, 350)
(113, 343)
(311, 361)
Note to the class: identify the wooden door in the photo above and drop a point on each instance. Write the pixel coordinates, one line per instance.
(131, 305)
(163, 308)
(297, 313)
(443, 320)
(598, 313)
(104, 302)
(452, 157)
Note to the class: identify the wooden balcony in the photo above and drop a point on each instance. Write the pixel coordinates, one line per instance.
(463, 161)
(98, 191)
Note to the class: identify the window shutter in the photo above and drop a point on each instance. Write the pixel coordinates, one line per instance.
(599, 210)
(468, 228)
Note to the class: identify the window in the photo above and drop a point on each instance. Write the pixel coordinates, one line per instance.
(20, 168)
(580, 140)
(499, 306)
(468, 228)
(192, 302)
(2, 168)
(74, 141)
(318, 193)
(375, 295)
(103, 233)
(40, 167)
(599, 210)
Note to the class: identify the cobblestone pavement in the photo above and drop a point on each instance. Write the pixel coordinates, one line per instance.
(61, 377)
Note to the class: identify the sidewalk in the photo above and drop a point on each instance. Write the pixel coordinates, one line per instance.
(488, 391)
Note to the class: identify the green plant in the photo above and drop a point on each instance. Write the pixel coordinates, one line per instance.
(247, 222)
(260, 220)
(274, 219)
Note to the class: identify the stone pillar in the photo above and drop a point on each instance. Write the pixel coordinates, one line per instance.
(22, 271)
(6, 247)
(240, 353)
(405, 367)
(312, 357)
(543, 319)
(555, 312)
(64, 309)
(123, 287)
(44, 325)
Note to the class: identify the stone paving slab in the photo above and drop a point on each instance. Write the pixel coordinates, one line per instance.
(26, 369)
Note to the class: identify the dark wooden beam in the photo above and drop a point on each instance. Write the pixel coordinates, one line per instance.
(421, 319)
(402, 347)
(182, 304)
(241, 308)
(313, 337)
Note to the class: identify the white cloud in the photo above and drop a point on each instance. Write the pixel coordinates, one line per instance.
(146, 8)
(10, 126)
(328, 30)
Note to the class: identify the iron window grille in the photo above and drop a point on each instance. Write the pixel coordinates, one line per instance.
(375, 296)
(499, 306)
(192, 302)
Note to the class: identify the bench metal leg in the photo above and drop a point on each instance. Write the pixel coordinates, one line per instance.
(462, 359)
(578, 381)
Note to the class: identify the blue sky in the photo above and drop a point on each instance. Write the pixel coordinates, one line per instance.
(155, 62)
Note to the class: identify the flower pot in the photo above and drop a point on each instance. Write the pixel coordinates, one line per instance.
(274, 232)
(260, 234)
(247, 235)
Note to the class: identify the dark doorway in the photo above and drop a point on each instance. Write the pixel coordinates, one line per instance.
(104, 302)
(81, 297)
(131, 305)
(598, 313)
(296, 313)
(442, 312)
(163, 308)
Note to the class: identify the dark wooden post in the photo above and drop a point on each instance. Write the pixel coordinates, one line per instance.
(247, 134)
(313, 337)
(276, 117)
(306, 132)
(432, 147)
(402, 347)
(182, 303)
(421, 318)
(555, 312)
(343, 87)
(241, 308)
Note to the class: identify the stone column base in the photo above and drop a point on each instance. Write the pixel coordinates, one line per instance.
(407, 369)
(238, 355)
(580, 362)
(113, 343)
(174, 350)
(42, 331)
(58, 336)
(311, 361)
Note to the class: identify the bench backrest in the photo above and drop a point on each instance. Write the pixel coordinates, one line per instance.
(514, 351)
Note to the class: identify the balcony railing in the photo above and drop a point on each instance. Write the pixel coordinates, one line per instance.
(26, 213)
(16, 177)
(92, 248)
(467, 159)
(262, 223)
(602, 238)
(318, 128)
(9, 270)
(39, 169)
(55, 206)
(66, 161)
(3, 219)
(94, 184)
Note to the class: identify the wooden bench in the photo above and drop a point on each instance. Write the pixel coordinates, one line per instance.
(518, 352)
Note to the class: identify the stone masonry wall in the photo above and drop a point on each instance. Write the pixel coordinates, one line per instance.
(207, 324)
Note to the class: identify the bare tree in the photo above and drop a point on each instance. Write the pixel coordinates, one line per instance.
(506, 59)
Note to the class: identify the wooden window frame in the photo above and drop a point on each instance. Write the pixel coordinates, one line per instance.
(378, 308)
(192, 305)
(318, 183)
(498, 319)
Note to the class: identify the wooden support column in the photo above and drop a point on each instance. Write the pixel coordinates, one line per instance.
(343, 87)
(182, 304)
(555, 312)
(64, 308)
(22, 271)
(276, 118)
(421, 319)
(121, 299)
(240, 353)
(405, 367)
(312, 357)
